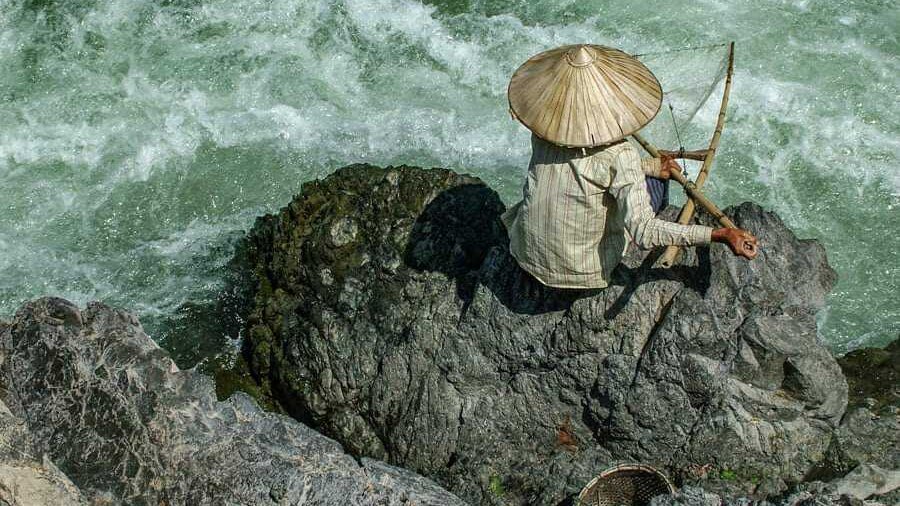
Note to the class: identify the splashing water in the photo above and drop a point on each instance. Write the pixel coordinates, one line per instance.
(139, 138)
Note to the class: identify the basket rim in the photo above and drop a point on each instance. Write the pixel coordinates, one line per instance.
(626, 467)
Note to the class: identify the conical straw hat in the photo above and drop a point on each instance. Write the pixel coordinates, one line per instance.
(584, 95)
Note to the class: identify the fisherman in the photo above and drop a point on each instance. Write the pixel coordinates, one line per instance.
(585, 186)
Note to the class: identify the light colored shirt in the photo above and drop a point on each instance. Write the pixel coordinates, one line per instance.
(569, 229)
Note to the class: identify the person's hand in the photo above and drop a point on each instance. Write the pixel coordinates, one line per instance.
(667, 165)
(741, 242)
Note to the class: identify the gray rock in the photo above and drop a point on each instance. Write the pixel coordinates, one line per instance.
(27, 477)
(427, 346)
(868, 480)
(869, 433)
(863, 437)
(865, 486)
(112, 411)
(693, 496)
(688, 496)
(873, 375)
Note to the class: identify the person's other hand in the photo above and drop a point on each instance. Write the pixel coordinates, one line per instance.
(741, 242)
(667, 164)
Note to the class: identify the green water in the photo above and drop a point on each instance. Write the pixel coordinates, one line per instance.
(139, 138)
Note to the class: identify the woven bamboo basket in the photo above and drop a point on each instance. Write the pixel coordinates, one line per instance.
(625, 485)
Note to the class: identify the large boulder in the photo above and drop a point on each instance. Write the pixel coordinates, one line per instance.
(98, 413)
(384, 308)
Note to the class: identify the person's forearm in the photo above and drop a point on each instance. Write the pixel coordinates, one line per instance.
(653, 233)
(723, 235)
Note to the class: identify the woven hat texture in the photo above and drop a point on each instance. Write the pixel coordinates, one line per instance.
(584, 95)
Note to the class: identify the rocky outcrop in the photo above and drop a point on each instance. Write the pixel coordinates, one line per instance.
(873, 375)
(866, 485)
(99, 414)
(869, 433)
(384, 308)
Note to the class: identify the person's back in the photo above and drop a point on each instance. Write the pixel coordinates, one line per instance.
(569, 229)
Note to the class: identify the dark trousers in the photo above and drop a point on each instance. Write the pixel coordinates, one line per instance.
(659, 193)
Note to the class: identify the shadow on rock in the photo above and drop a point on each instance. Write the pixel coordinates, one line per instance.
(458, 231)
(694, 277)
(454, 233)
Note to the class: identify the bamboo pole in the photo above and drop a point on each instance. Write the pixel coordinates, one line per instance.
(689, 187)
(697, 154)
(670, 255)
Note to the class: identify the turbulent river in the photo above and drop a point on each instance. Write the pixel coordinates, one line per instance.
(139, 138)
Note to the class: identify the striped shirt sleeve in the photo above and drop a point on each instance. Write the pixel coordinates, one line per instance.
(631, 197)
(651, 166)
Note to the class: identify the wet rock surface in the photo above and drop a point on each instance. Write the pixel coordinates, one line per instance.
(384, 309)
(869, 433)
(94, 412)
(873, 375)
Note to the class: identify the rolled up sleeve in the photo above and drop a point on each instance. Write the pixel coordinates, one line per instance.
(628, 188)
(651, 166)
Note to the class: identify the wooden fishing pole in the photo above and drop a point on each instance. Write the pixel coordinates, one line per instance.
(689, 187)
(667, 259)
